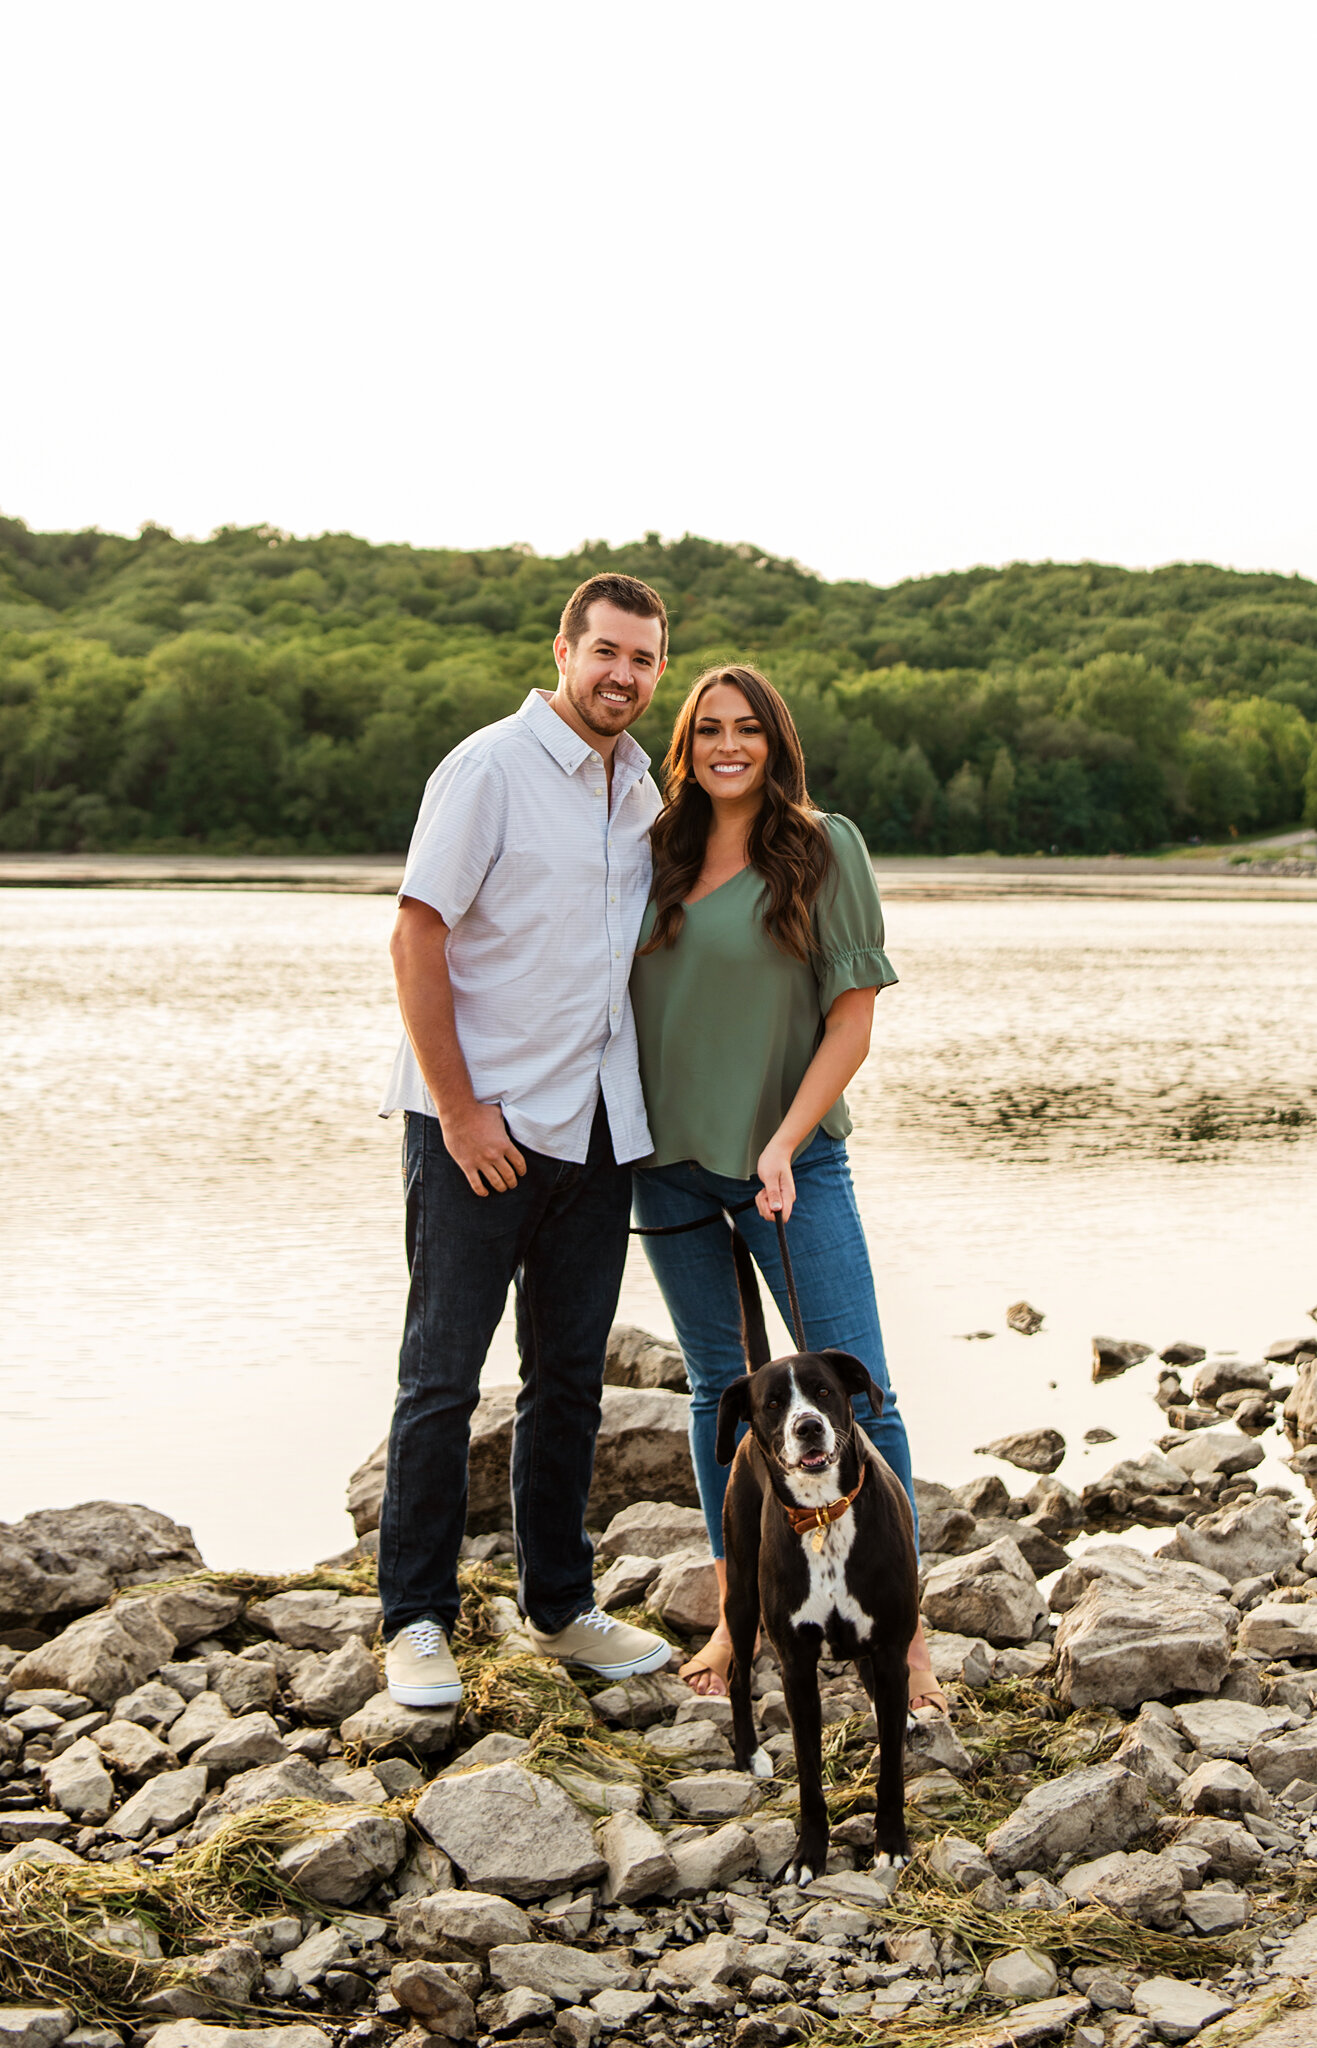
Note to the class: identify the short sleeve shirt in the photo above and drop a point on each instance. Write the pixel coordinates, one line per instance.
(542, 884)
(728, 1023)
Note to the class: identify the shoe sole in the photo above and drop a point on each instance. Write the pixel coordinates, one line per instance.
(636, 1667)
(426, 1695)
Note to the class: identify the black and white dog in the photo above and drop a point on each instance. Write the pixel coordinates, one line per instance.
(820, 1543)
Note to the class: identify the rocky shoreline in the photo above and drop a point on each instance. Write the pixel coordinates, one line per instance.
(214, 1822)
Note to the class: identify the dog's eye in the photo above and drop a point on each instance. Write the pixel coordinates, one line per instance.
(775, 1401)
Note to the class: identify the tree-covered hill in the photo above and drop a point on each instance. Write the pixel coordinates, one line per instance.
(256, 691)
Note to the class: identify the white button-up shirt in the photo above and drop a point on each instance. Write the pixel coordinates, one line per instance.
(542, 884)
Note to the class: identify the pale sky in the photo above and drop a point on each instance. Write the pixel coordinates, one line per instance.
(892, 289)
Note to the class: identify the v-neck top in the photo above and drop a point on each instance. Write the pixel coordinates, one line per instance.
(727, 1023)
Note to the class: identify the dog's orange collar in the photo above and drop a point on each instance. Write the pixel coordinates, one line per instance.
(802, 1520)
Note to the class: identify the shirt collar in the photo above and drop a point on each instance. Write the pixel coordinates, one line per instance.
(570, 751)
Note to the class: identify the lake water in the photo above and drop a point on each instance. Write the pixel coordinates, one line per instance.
(1105, 1107)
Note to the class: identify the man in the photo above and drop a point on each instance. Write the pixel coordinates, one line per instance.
(518, 915)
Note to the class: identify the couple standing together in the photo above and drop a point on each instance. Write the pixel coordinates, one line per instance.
(595, 979)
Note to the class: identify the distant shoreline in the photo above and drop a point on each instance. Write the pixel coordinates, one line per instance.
(965, 876)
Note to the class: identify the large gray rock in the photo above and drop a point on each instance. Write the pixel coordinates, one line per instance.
(204, 1715)
(1248, 1540)
(685, 1594)
(1227, 1376)
(340, 1685)
(436, 1999)
(1121, 1568)
(33, 2026)
(192, 1609)
(1086, 1813)
(703, 1862)
(102, 1656)
(989, 1592)
(293, 1778)
(653, 1528)
(636, 1359)
(1112, 1355)
(1020, 1974)
(1300, 1413)
(567, 1975)
(1218, 1786)
(195, 2033)
(133, 1752)
(242, 1745)
(1031, 1450)
(79, 1784)
(1232, 1850)
(1203, 1452)
(716, 1795)
(1228, 1728)
(164, 1803)
(510, 1831)
(642, 1453)
(637, 1857)
(381, 1724)
(310, 1620)
(1118, 1649)
(1177, 2010)
(1280, 1629)
(1277, 1759)
(1156, 1752)
(1149, 1889)
(448, 1926)
(1152, 1473)
(345, 1856)
(66, 1560)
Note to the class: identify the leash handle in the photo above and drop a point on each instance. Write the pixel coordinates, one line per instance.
(797, 1320)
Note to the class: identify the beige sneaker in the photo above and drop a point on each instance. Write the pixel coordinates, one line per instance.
(604, 1645)
(419, 1667)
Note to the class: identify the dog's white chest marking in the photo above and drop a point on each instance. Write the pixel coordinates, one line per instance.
(828, 1593)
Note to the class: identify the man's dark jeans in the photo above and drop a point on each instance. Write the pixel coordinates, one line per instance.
(561, 1234)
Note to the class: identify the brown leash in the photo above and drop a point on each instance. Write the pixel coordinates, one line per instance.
(802, 1520)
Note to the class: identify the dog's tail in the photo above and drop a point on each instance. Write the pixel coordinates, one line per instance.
(754, 1335)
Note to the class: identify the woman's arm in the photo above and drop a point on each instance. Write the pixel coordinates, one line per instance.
(842, 1052)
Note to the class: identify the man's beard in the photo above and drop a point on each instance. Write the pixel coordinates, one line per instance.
(601, 718)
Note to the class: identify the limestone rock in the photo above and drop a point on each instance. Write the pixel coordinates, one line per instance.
(102, 1656)
(640, 1702)
(382, 1724)
(653, 1528)
(1118, 1649)
(133, 1751)
(699, 1743)
(1182, 1354)
(243, 1745)
(203, 1716)
(79, 1783)
(1032, 1450)
(438, 2001)
(626, 1581)
(716, 1795)
(155, 1705)
(510, 1831)
(637, 1359)
(685, 1593)
(449, 1925)
(1301, 1404)
(195, 2033)
(703, 1862)
(1113, 1355)
(1123, 1569)
(1043, 2019)
(990, 1592)
(947, 1532)
(931, 1744)
(1289, 1350)
(192, 1609)
(960, 1660)
(348, 1854)
(1041, 1552)
(1280, 1629)
(66, 1560)
(1021, 1974)
(317, 1620)
(639, 1864)
(1152, 1473)
(1232, 1850)
(1228, 1376)
(960, 1862)
(1084, 1813)
(1276, 1759)
(340, 1684)
(1249, 1540)
(33, 2026)
(1023, 1319)
(1178, 2011)
(1216, 1912)
(1203, 1452)
(567, 1975)
(1218, 1786)
(512, 2011)
(165, 1803)
(1149, 1889)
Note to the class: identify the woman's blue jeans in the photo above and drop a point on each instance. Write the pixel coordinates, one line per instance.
(834, 1283)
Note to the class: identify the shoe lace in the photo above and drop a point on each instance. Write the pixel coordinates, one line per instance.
(425, 1637)
(594, 1617)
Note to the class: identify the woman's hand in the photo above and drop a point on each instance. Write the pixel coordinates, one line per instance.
(778, 1194)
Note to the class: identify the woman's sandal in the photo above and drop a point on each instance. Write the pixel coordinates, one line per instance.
(714, 1657)
(925, 1688)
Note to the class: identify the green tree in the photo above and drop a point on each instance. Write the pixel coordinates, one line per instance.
(999, 802)
(965, 803)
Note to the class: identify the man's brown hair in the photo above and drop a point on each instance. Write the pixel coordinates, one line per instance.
(628, 593)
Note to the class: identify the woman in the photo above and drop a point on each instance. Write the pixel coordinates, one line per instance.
(753, 988)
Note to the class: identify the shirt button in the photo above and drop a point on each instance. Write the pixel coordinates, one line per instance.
(612, 899)
(615, 1009)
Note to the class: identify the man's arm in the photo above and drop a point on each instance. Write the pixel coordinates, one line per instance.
(474, 1132)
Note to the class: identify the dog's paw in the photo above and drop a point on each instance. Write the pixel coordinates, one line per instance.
(761, 1764)
(884, 1863)
(798, 1873)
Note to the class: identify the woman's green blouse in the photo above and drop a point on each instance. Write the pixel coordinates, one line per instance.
(728, 1023)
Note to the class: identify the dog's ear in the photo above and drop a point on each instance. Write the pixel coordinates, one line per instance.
(733, 1410)
(856, 1378)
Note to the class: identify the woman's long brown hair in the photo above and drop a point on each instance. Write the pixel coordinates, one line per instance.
(788, 841)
